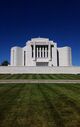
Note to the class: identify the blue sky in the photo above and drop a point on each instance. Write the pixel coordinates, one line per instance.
(21, 20)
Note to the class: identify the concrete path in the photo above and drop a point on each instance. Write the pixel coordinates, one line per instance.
(38, 81)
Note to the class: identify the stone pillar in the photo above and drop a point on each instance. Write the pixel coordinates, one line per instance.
(37, 52)
(34, 51)
(43, 52)
(49, 55)
(40, 52)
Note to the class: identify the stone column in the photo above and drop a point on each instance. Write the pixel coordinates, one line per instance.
(43, 52)
(34, 51)
(49, 55)
(40, 52)
(37, 52)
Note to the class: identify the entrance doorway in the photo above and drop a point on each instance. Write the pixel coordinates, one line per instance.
(41, 63)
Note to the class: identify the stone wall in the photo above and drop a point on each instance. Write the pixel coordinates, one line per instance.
(39, 70)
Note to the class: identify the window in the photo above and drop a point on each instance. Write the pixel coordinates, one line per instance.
(24, 58)
(41, 51)
(57, 58)
(32, 50)
(44, 51)
(47, 51)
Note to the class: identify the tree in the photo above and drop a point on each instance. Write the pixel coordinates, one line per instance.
(5, 63)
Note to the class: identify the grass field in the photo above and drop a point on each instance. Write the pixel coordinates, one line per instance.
(40, 76)
(39, 105)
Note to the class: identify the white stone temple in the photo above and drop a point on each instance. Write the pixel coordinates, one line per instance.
(41, 52)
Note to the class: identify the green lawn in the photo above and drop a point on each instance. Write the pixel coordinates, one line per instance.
(39, 105)
(40, 76)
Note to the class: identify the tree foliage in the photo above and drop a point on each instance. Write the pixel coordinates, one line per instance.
(5, 63)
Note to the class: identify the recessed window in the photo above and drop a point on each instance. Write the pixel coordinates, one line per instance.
(24, 58)
(32, 50)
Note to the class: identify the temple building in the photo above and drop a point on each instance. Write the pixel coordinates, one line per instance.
(41, 52)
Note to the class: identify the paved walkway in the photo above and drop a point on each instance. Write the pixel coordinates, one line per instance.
(38, 81)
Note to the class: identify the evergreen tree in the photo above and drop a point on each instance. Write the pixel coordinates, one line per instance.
(5, 63)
